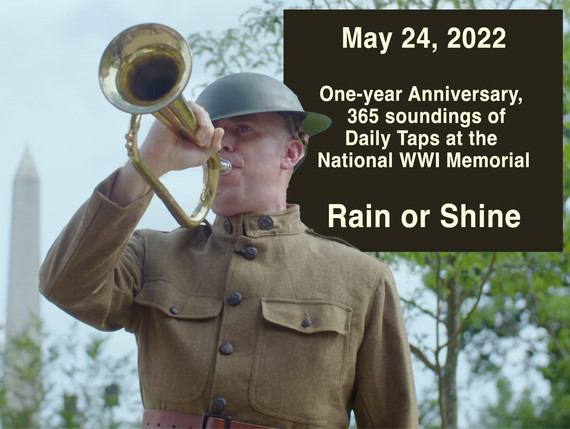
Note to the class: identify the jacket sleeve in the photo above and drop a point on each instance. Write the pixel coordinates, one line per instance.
(93, 270)
(385, 394)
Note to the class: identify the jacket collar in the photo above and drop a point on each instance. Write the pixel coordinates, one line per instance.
(260, 224)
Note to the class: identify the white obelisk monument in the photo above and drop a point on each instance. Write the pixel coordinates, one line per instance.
(23, 312)
(23, 295)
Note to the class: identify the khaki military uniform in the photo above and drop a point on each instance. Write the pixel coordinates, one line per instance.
(254, 316)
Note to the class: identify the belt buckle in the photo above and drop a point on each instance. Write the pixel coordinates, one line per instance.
(225, 417)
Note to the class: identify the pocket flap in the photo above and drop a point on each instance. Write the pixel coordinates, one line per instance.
(307, 317)
(167, 298)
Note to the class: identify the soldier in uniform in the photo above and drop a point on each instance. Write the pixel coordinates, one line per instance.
(253, 320)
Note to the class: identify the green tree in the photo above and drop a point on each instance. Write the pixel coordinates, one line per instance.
(534, 289)
(475, 300)
(21, 389)
(511, 411)
(457, 281)
(75, 383)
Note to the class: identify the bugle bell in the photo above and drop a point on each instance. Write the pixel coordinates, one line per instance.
(144, 70)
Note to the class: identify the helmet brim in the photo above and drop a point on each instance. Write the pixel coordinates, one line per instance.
(249, 93)
(315, 123)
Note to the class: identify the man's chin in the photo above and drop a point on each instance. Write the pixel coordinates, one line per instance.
(225, 206)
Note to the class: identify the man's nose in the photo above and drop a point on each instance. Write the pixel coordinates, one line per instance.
(228, 142)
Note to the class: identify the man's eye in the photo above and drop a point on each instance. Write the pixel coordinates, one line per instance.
(243, 128)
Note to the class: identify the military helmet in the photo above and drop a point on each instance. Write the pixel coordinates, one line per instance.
(246, 93)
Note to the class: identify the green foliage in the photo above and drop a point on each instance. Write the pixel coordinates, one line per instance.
(21, 366)
(510, 411)
(255, 43)
(73, 383)
(566, 114)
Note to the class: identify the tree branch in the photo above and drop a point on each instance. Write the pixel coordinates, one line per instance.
(437, 309)
(470, 313)
(423, 358)
(420, 308)
(440, 395)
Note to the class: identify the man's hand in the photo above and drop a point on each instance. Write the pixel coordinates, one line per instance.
(164, 151)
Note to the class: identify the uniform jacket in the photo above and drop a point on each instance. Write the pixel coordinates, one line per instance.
(254, 316)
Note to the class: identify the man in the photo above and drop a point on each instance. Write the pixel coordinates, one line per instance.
(254, 317)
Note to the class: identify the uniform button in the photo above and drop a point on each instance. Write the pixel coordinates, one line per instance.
(228, 227)
(218, 404)
(234, 298)
(265, 223)
(249, 252)
(174, 309)
(226, 349)
(306, 323)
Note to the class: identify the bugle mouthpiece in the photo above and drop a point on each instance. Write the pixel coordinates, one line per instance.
(225, 166)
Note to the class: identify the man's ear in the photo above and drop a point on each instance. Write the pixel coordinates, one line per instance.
(294, 152)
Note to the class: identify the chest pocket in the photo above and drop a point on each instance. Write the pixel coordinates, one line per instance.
(300, 359)
(176, 339)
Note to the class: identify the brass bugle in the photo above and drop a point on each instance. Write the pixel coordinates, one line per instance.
(143, 70)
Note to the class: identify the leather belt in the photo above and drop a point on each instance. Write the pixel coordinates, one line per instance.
(158, 419)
